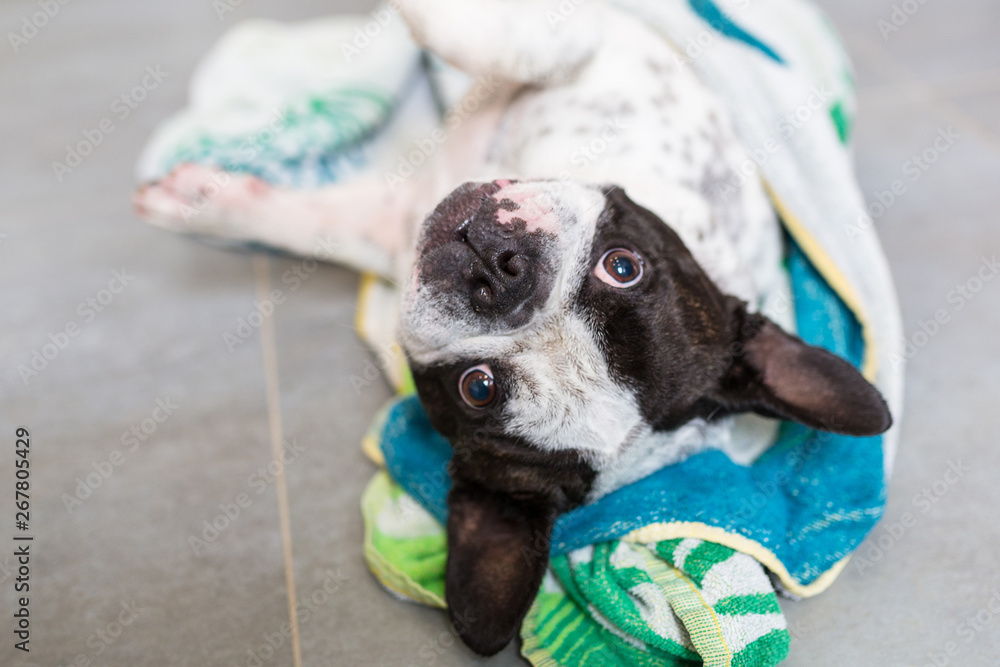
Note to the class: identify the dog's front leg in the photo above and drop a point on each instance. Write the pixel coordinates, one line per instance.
(514, 40)
(363, 223)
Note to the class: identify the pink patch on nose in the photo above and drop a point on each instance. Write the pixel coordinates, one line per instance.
(533, 206)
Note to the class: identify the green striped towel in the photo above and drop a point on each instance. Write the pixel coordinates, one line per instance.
(675, 602)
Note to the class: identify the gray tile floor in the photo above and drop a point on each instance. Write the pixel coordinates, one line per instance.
(115, 579)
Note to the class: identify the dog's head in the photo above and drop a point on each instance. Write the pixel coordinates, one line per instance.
(548, 324)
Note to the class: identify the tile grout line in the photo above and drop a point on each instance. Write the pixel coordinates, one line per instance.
(262, 282)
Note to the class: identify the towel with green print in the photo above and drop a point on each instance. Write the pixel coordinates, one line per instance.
(295, 105)
(676, 602)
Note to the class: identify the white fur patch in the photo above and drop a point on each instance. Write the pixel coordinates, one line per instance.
(537, 213)
(655, 449)
(564, 397)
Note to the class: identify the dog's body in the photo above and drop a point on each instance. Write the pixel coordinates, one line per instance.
(562, 335)
(657, 132)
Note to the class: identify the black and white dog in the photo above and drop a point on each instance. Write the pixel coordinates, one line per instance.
(574, 318)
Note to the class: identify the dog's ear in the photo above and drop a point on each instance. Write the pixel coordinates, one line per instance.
(498, 549)
(779, 375)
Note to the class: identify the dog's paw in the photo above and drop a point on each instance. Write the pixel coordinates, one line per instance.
(198, 199)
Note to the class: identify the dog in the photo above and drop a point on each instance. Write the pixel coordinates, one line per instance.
(573, 318)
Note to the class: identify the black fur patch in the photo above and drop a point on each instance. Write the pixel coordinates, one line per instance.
(688, 350)
(485, 454)
(666, 336)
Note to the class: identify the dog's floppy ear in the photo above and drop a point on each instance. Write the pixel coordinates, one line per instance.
(498, 549)
(779, 375)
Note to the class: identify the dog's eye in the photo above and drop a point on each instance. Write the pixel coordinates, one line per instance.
(619, 268)
(477, 387)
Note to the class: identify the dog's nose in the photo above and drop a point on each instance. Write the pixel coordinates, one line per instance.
(501, 275)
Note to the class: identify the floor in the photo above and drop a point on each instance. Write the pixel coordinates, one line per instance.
(145, 427)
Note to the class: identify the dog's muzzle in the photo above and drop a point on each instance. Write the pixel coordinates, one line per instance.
(479, 250)
(501, 274)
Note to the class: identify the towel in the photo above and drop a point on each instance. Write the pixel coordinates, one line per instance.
(682, 566)
(673, 602)
(628, 582)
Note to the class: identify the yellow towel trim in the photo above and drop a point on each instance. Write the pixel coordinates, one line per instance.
(370, 448)
(367, 281)
(836, 279)
(371, 441)
(659, 532)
